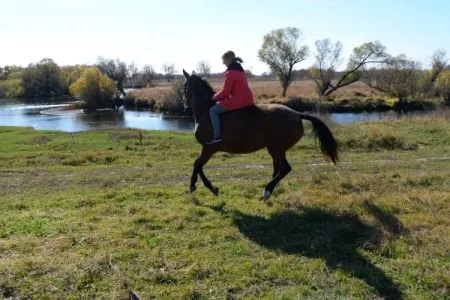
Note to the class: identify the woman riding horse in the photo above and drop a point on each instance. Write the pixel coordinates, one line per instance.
(254, 127)
(235, 94)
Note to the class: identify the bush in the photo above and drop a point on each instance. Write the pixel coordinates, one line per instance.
(11, 88)
(43, 80)
(442, 85)
(130, 100)
(375, 138)
(94, 88)
(173, 103)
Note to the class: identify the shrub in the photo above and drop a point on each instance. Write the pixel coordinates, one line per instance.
(442, 85)
(173, 103)
(43, 80)
(376, 138)
(94, 88)
(130, 100)
(11, 88)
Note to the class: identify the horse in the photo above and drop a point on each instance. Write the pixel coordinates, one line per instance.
(275, 127)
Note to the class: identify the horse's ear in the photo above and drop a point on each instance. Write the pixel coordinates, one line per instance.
(185, 74)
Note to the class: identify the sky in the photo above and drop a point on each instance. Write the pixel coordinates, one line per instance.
(184, 32)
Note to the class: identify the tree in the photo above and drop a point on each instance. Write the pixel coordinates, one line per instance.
(43, 80)
(397, 78)
(148, 74)
(72, 73)
(7, 72)
(132, 71)
(328, 57)
(115, 70)
(204, 68)
(362, 56)
(281, 50)
(94, 88)
(169, 71)
(442, 85)
(438, 64)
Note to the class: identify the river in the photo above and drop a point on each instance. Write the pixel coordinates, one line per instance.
(41, 117)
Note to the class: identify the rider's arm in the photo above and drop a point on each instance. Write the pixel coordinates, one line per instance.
(224, 93)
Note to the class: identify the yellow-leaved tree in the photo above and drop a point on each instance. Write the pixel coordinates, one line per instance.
(94, 88)
(442, 85)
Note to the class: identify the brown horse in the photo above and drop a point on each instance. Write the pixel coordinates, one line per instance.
(272, 126)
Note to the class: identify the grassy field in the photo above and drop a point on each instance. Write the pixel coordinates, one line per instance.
(94, 214)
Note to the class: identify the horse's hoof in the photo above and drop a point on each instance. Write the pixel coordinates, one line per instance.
(192, 189)
(266, 195)
(215, 191)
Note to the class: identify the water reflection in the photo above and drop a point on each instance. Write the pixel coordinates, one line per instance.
(14, 113)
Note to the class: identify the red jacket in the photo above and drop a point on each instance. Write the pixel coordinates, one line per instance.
(235, 93)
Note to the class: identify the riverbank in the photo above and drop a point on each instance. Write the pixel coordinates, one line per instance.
(92, 214)
(356, 98)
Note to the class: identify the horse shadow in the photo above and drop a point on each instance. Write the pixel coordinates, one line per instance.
(316, 233)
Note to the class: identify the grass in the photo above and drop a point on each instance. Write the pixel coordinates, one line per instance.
(93, 214)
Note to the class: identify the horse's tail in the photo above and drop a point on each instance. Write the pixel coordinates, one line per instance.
(328, 143)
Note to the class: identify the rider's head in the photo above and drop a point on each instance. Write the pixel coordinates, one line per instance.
(229, 57)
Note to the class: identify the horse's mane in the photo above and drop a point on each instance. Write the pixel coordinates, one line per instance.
(206, 84)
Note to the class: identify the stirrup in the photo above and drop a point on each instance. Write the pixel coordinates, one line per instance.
(214, 141)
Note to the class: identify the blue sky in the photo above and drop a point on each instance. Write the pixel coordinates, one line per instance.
(184, 32)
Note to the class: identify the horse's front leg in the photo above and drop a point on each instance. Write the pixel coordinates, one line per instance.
(194, 176)
(198, 170)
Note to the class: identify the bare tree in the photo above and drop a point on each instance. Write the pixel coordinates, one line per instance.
(398, 77)
(365, 55)
(428, 77)
(132, 71)
(438, 63)
(149, 74)
(169, 71)
(204, 68)
(281, 50)
(116, 70)
(328, 58)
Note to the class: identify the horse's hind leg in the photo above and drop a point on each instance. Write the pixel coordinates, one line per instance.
(283, 168)
(198, 170)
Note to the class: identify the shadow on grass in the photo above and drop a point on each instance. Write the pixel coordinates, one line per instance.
(387, 220)
(316, 233)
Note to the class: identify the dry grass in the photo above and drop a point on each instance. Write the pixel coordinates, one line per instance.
(269, 90)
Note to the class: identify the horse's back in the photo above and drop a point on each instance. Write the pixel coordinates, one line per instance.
(285, 127)
(253, 128)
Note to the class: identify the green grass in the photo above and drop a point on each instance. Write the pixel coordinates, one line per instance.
(91, 215)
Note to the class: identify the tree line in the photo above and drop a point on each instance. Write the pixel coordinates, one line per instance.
(46, 79)
(395, 75)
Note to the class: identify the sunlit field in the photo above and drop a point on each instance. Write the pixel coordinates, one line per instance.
(97, 214)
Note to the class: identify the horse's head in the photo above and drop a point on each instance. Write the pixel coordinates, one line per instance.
(197, 93)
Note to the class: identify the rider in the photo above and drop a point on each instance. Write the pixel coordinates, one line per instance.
(235, 94)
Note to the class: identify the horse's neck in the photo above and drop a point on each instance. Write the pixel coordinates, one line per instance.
(202, 106)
